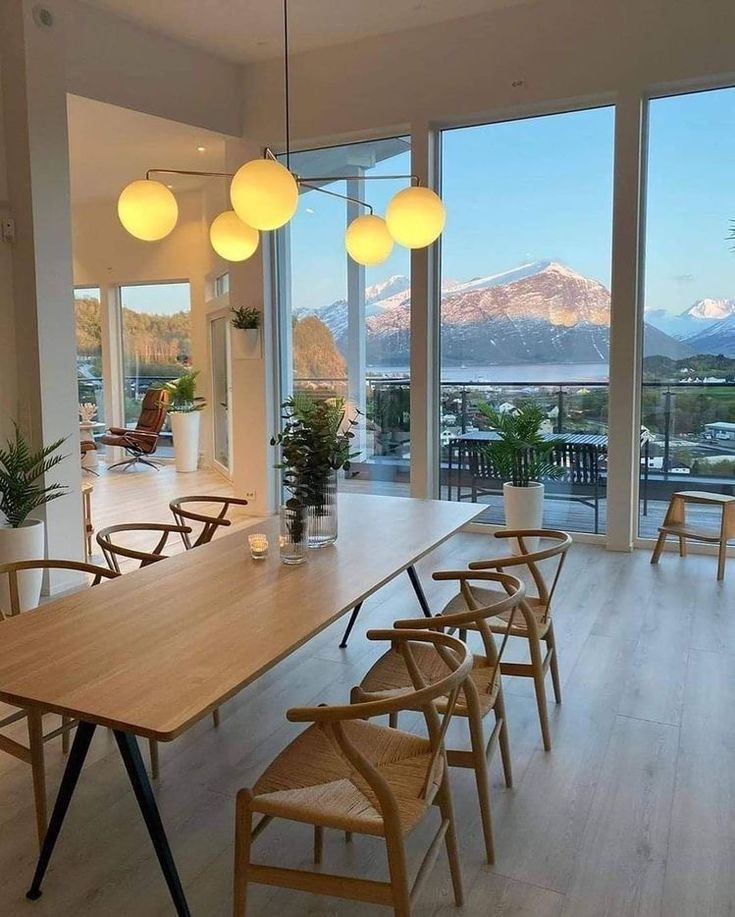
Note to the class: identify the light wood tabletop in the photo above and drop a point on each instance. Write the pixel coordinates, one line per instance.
(159, 648)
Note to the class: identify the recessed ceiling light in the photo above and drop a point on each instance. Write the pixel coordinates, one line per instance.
(201, 149)
(169, 186)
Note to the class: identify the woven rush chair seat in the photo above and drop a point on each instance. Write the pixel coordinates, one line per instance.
(310, 781)
(485, 597)
(389, 676)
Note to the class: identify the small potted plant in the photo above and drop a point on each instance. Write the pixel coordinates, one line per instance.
(314, 444)
(184, 407)
(521, 458)
(245, 341)
(23, 490)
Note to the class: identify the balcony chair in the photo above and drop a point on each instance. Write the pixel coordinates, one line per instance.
(33, 753)
(113, 551)
(482, 692)
(346, 773)
(184, 514)
(140, 443)
(534, 622)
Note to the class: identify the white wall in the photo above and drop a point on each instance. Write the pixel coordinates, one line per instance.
(8, 383)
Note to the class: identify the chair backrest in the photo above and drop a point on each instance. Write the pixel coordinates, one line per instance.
(184, 513)
(458, 660)
(11, 570)
(113, 550)
(153, 411)
(553, 544)
(580, 461)
(478, 612)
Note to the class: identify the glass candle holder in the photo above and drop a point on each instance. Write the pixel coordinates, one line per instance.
(294, 538)
(258, 545)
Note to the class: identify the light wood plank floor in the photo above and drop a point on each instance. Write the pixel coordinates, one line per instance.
(630, 815)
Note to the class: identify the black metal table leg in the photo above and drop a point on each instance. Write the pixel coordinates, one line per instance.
(350, 625)
(419, 590)
(133, 761)
(77, 755)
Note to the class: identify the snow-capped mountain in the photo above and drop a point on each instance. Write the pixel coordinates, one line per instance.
(707, 326)
(711, 309)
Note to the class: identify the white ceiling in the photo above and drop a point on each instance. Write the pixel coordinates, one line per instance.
(111, 146)
(253, 29)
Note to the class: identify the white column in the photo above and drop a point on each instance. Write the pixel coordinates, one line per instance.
(254, 412)
(37, 153)
(425, 305)
(625, 327)
(356, 395)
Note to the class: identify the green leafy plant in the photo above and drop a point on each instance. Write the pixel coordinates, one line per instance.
(21, 478)
(315, 440)
(522, 453)
(182, 392)
(245, 318)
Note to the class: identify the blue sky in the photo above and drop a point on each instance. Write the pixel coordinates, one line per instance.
(158, 298)
(541, 188)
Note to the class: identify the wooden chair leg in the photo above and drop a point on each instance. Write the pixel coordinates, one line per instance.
(482, 779)
(215, 717)
(537, 668)
(243, 841)
(153, 747)
(660, 542)
(65, 735)
(721, 558)
(38, 768)
(397, 868)
(682, 546)
(318, 844)
(393, 720)
(503, 738)
(554, 662)
(446, 807)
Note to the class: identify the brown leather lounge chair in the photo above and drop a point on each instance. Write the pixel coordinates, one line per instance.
(140, 443)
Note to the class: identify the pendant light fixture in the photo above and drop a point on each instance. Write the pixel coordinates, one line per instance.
(264, 194)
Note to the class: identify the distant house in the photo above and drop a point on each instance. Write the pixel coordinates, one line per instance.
(720, 430)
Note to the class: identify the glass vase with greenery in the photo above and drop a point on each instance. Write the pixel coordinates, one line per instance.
(183, 398)
(315, 442)
(522, 453)
(22, 471)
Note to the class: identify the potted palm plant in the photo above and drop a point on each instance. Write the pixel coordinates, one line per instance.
(23, 490)
(314, 444)
(521, 457)
(246, 322)
(184, 407)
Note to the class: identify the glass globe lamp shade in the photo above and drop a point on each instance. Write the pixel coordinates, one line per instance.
(148, 210)
(264, 194)
(232, 239)
(415, 217)
(368, 241)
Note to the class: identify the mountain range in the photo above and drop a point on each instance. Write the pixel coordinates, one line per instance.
(542, 312)
(708, 326)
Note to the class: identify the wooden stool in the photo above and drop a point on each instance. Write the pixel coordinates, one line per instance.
(87, 525)
(675, 524)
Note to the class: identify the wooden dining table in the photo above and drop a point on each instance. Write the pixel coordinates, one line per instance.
(154, 651)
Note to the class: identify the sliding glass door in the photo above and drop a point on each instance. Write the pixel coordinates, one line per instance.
(525, 302)
(688, 388)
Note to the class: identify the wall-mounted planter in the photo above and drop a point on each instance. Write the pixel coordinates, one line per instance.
(245, 343)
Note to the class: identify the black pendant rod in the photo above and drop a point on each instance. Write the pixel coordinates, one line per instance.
(286, 85)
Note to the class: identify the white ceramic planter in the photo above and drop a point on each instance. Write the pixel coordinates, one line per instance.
(524, 509)
(185, 428)
(245, 343)
(24, 543)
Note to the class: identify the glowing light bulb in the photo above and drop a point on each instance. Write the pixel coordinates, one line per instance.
(232, 239)
(368, 241)
(264, 194)
(415, 217)
(148, 210)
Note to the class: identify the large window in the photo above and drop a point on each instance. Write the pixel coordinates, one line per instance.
(525, 313)
(89, 348)
(688, 397)
(156, 326)
(346, 328)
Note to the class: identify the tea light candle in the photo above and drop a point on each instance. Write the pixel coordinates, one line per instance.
(258, 545)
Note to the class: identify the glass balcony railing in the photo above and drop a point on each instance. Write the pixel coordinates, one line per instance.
(687, 436)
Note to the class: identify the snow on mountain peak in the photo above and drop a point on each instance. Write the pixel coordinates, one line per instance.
(711, 309)
(396, 283)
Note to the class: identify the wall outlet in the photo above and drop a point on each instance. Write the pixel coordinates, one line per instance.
(250, 494)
